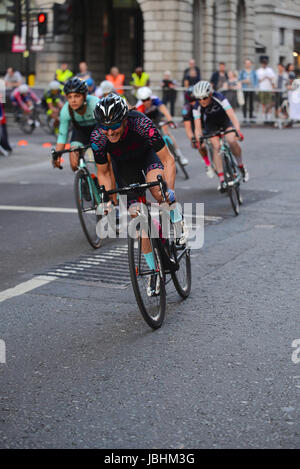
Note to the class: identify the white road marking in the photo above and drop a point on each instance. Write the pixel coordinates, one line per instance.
(24, 208)
(25, 287)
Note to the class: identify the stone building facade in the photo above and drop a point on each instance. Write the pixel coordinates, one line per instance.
(165, 34)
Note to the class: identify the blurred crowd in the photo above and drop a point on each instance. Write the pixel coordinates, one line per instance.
(262, 90)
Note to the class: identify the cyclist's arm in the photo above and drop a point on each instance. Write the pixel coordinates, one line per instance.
(188, 129)
(104, 176)
(163, 109)
(198, 129)
(169, 166)
(232, 116)
(63, 125)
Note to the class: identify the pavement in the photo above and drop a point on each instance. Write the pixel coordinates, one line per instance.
(83, 370)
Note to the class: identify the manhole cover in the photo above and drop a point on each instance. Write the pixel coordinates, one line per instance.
(110, 266)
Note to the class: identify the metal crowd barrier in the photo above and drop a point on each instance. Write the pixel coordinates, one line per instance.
(280, 104)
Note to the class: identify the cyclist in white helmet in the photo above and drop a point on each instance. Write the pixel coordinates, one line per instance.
(104, 89)
(24, 98)
(213, 113)
(154, 108)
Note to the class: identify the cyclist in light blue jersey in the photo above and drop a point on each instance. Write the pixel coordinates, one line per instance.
(78, 111)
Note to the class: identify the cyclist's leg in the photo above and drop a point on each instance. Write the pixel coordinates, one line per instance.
(234, 146)
(167, 131)
(237, 152)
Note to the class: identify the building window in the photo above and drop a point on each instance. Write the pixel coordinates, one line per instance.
(281, 36)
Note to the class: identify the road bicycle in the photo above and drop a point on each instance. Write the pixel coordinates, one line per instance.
(86, 189)
(28, 122)
(172, 262)
(232, 174)
(170, 145)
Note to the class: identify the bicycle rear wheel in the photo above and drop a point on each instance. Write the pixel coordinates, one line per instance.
(152, 307)
(86, 207)
(25, 126)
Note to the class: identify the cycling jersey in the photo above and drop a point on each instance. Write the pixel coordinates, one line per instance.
(85, 122)
(213, 117)
(153, 111)
(19, 99)
(134, 155)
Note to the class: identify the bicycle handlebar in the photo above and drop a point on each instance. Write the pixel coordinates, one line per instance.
(56, 154)
(137, 187)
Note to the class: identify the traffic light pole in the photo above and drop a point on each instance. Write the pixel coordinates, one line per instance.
(27, 53)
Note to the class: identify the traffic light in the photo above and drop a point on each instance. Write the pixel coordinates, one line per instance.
(42, 20)
(14, 15)
(61, 18)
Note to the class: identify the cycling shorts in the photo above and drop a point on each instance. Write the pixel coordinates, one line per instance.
(136, 174)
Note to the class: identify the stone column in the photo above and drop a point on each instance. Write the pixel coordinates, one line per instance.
(168, 37)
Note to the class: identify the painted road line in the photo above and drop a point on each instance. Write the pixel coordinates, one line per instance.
(24, 208)
(25, 287)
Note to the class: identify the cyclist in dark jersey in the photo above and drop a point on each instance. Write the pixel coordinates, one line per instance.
(137, 152)
(213, 113)
(189, 125)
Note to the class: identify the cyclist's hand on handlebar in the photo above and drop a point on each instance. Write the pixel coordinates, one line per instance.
(56, 162)
(170, 196)
(104, 208)
(173, 125)
(240, 135)
(194, 142)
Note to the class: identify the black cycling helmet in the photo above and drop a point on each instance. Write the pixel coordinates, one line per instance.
(76, 85)
(190, 94)
(111, 109)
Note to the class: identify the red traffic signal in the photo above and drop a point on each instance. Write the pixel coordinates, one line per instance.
(42, 20)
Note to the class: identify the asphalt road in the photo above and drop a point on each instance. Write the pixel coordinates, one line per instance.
(83, 370)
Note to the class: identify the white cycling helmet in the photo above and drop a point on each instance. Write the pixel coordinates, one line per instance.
(144, 93)
(107, 87)
(54, 85)
(23, 89)
(296, 84)
(202, 89)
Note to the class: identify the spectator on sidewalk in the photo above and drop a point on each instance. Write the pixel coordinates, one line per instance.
(191, 75)
(281, 83)
(139, 79)
(248, 79)
(63, 74)
(117, 79)
(231, 86)
(13, 78)
(266, 77)
(290, 69)
(84, 73)
(5, 147)
(169, 91)
(219, 77)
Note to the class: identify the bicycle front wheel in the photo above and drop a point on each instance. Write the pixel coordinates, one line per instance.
(232, 190)
(152, 307)
(86, 207)
(182, 278)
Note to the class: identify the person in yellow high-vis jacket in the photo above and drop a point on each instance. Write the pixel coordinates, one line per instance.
(63, 74)
(139, 79)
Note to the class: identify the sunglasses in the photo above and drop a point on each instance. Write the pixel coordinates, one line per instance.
(111, 127)
(146, 99)
(202, 99)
